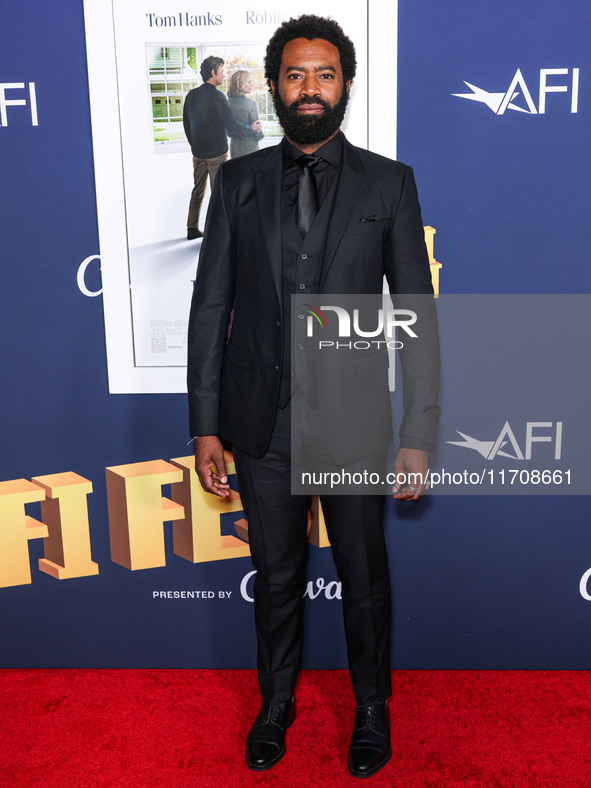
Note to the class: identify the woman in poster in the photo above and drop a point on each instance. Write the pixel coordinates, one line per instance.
(244, 110)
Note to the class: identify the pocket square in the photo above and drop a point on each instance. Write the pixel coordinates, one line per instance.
(372, 218)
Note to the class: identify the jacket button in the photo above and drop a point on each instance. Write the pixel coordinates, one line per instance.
(278, 324)
(304, 257)
(276, 367)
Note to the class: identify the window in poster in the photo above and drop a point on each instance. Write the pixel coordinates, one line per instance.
(142, 65)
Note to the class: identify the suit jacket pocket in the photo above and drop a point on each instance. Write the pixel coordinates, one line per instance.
(361, 228)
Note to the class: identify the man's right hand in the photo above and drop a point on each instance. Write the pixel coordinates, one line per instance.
(210, 466)
(256, 126)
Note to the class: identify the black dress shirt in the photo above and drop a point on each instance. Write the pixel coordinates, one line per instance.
(331, 157)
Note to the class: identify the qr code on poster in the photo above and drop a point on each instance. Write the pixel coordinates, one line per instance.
(158, 344)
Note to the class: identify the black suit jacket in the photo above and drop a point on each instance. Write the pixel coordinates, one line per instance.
(233, 384)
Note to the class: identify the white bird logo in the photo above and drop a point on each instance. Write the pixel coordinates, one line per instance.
(500, 102)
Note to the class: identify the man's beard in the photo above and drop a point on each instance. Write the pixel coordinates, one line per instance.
(310, 129)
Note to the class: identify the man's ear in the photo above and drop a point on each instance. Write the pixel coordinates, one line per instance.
(272, 86)
(347, 85)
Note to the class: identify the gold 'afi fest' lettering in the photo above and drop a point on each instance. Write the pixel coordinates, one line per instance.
(64, 528)
(317, 534)
(137, 513)
(17, 529)
(137, 510)
(434, 266)
(65, 512)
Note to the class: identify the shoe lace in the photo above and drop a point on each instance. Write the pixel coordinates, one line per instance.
(271, 713)
(367, 715)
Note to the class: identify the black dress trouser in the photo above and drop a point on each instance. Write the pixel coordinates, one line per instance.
(277, 527)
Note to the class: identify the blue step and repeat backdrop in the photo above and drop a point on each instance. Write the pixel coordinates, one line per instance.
(110, 556)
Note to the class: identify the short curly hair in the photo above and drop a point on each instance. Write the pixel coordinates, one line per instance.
(309, 26)
(211, 63)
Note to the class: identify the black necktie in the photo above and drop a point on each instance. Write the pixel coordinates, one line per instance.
(308, 193)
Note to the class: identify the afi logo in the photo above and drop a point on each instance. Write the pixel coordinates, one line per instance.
(507, 440)
(518, 96)
(387, 321)
(6, 102)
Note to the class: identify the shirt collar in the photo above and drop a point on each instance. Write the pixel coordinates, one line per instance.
(331, 151)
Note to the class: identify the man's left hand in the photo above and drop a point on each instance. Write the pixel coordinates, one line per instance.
(411, 467)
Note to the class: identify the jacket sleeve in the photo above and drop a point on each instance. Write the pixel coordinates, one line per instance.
(409, 277)
(186, 121)
(211, 307)
(252, 116)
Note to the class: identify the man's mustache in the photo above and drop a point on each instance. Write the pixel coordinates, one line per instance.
(309, 100)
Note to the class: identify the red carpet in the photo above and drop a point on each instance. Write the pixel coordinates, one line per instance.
(186, 728)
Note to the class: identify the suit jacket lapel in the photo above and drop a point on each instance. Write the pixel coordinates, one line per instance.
(349, 187)
(268, 182)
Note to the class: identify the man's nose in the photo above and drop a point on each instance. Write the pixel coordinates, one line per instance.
(309, 86)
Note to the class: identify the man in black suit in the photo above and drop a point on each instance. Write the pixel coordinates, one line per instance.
(311, 215)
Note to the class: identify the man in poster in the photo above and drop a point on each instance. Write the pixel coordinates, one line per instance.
(311, 215)
(207, 120)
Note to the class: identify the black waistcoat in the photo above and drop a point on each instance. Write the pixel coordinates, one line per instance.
(302, 264)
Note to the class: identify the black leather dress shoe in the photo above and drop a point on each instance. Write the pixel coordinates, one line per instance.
(192, 233)
(370, 744)
(265, 743)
